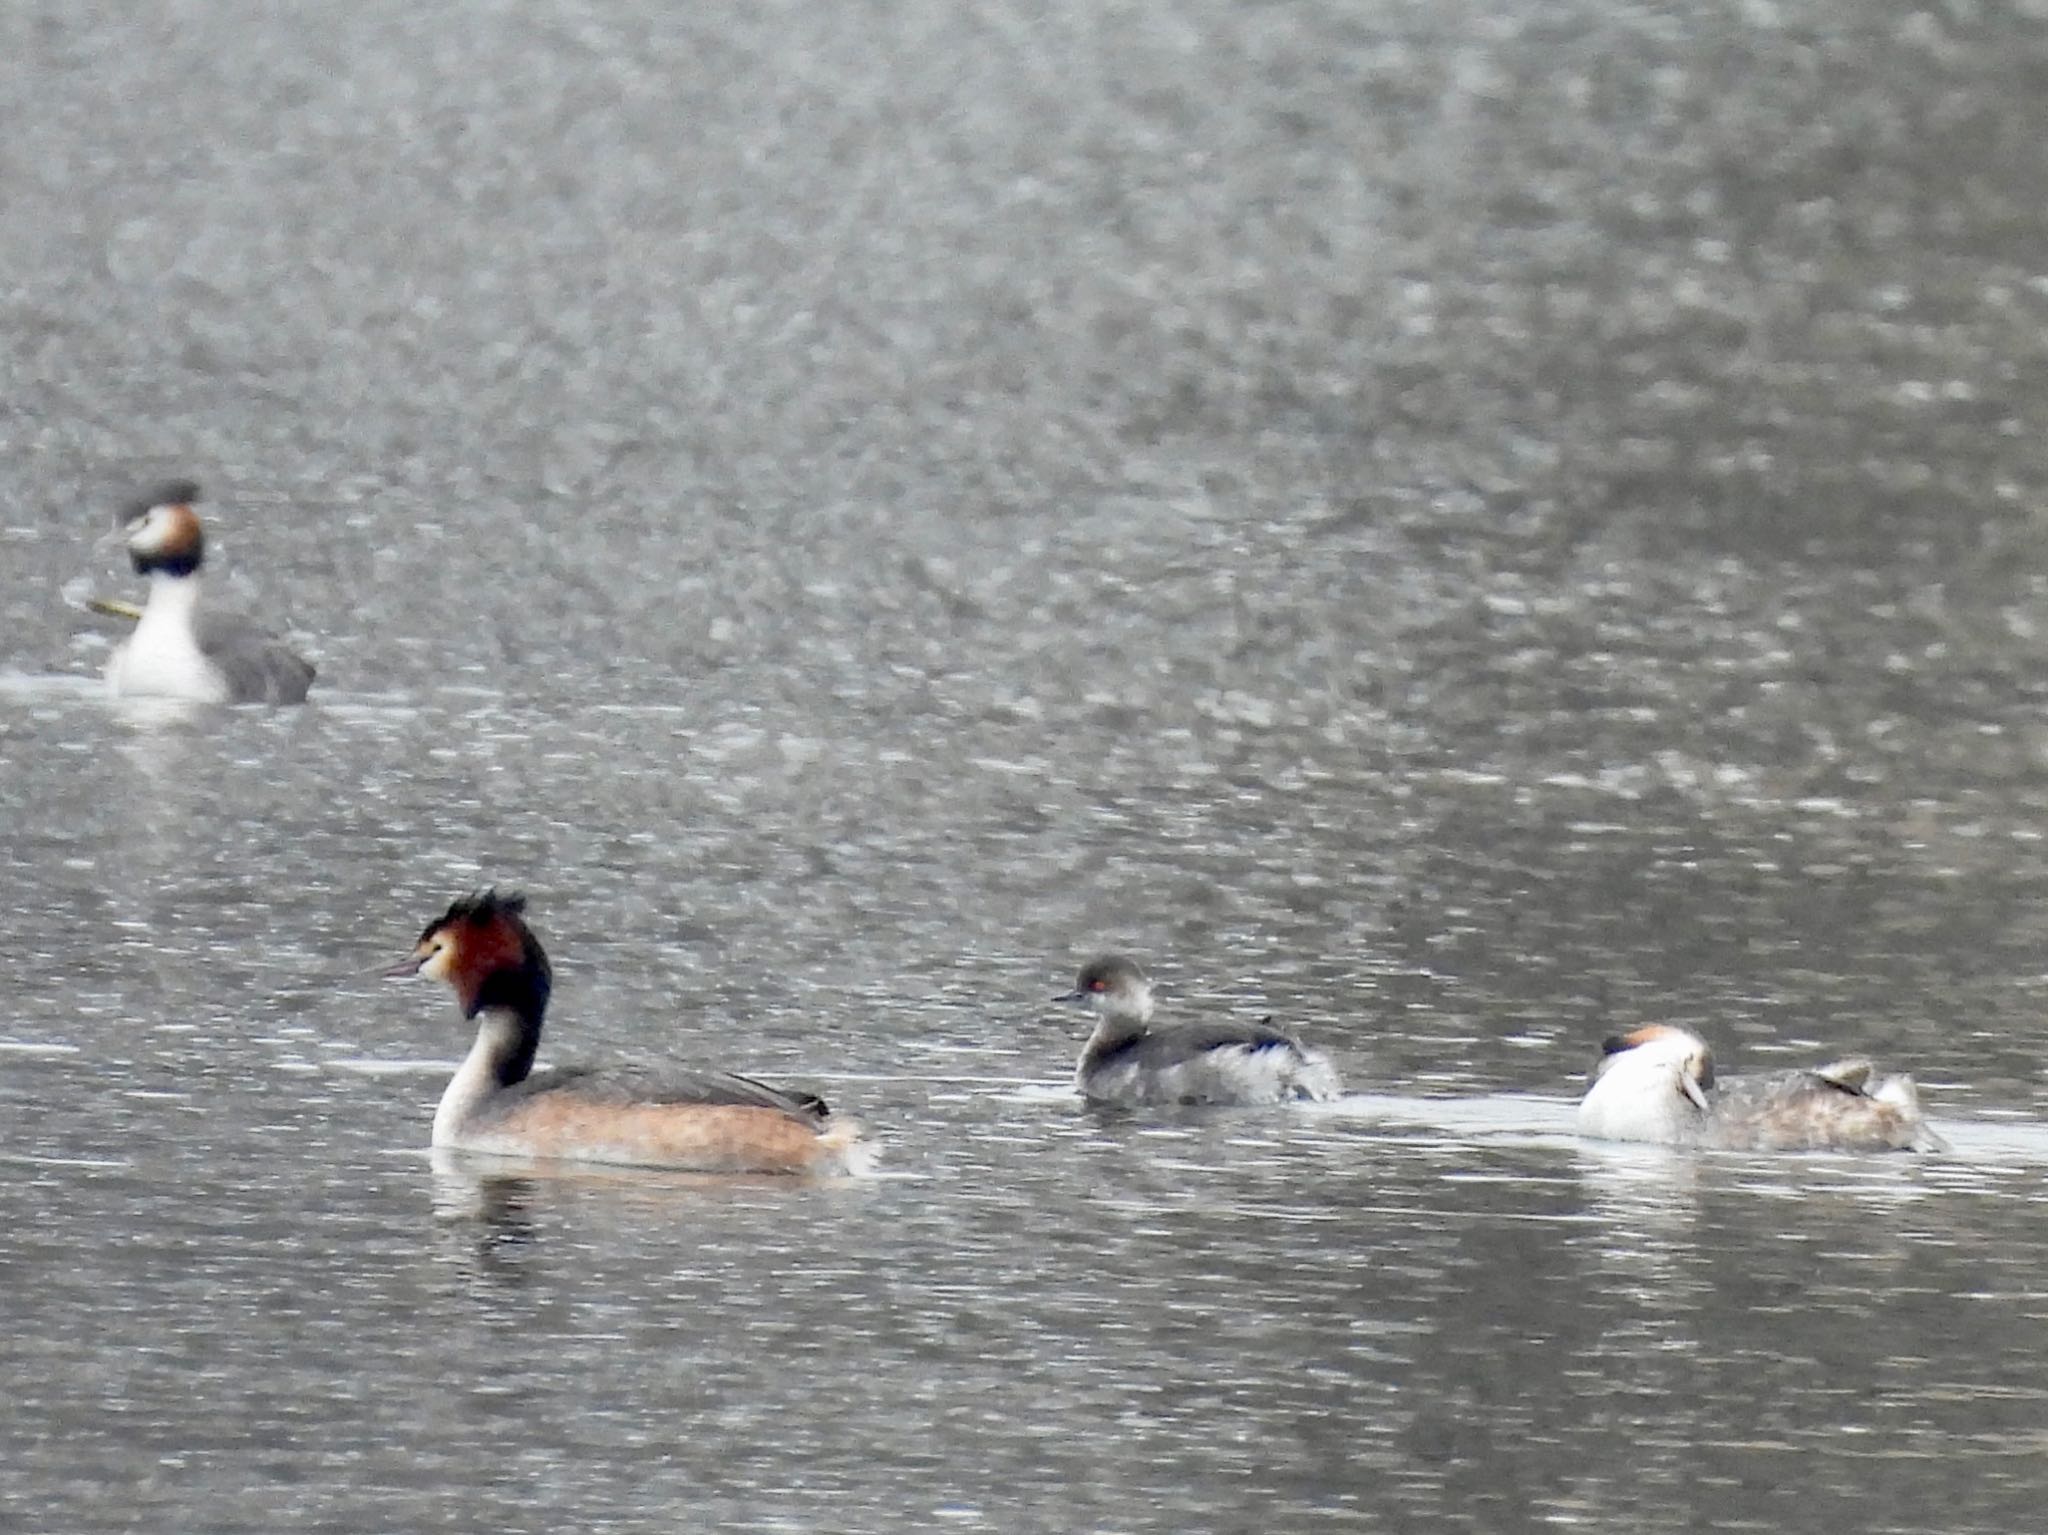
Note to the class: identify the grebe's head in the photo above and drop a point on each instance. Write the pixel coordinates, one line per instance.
(162, 531)
(1115, 987)
(1650, 1085)
(1664, 1052)
(482, 947)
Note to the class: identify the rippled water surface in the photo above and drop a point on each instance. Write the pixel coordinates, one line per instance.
(1459, 527)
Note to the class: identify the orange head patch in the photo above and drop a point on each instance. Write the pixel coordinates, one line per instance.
(166, 535)
(482, 947)
(1667, 1045)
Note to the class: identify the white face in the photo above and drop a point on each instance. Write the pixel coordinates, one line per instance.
(1126, 997)
(1667, 1052)
(165, 531)
(1680, 1055)
(437, 954)
(150, 532)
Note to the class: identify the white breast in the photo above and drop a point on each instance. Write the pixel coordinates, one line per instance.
(1639, 1100)
(162, 659)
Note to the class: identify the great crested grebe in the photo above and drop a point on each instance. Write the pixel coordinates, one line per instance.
(709, 1121)
(1130, 1061)
(1657, 1084)
(180, 648)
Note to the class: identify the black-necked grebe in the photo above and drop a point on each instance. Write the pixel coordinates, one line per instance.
(1657, 1084)
(181, 649)
(652, 1117)
(1131, 1061)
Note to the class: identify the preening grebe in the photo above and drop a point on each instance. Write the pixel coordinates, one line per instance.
(700, 1121)
(1131, 1061)
(180, 649)
(1657, 1084)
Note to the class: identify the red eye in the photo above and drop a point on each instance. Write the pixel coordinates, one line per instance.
(1098, 986)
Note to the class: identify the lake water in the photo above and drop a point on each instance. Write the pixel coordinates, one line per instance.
(1461, 527)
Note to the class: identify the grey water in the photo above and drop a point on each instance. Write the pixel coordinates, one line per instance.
(1462, 527)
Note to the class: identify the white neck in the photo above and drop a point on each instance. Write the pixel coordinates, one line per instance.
(169, 616)
(1128, 1010)
(475, 1083)
(1119, 1017)
(162, 657)
(171, 595)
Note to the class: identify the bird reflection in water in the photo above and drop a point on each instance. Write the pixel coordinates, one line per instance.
(487, 1216)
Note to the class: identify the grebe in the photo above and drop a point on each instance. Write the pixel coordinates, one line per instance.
(646, 1117)
(1130, 1061)
(1657, 1084)
(181, 649)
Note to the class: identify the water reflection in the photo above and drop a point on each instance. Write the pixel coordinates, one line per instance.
(1644, 1203)
(152, 720)
(465, 1190)
(486, 1218)
(1640, 1367)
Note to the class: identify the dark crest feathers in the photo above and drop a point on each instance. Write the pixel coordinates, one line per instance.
(164, 493)
(1109, 969)
(478, 906)
(524, 987)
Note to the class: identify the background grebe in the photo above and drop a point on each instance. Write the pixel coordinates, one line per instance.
(652, 1117)
(1657, 1084)
(1131, 1061)
(181, 648)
